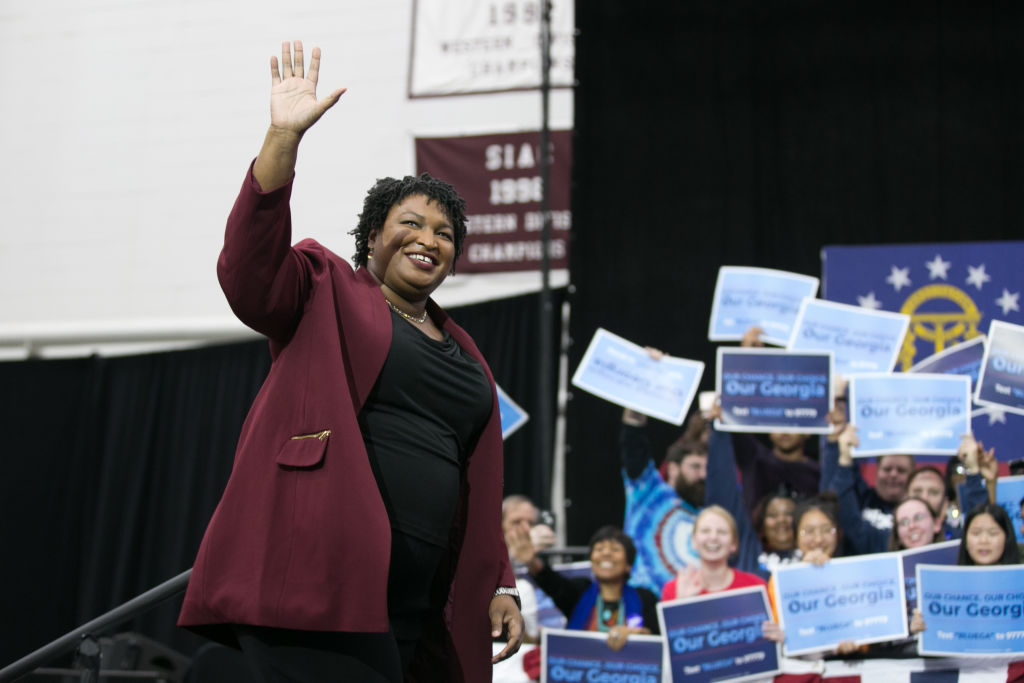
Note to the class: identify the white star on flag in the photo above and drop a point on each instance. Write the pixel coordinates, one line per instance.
(1008, 302)
(937, 267)
(869, 301)
(899, 278)
(977, 276)
(995, 415)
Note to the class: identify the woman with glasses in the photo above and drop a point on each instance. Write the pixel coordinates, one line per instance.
(914, 525)
(818, 535)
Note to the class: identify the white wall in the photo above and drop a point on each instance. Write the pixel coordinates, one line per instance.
(126, 127)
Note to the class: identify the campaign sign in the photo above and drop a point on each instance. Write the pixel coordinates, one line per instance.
(933, 553)
(1001, 382)
(862, 339)
(772, 390)
(962, 359)
(1009, 493)
(619, 371)
(909, 413)
(718, 637)
(757, 297)
(849, 598)
(585, 656)
(971, 610)
(512, 416)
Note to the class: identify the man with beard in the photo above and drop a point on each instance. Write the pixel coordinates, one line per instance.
(660, 512)
(865, 512)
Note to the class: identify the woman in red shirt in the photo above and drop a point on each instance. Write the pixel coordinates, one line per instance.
(715, 539)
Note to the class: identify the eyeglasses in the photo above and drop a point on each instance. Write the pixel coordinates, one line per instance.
(818, 531)
(907, 521)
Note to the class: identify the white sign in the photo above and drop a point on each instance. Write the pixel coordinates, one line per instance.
(461, 47)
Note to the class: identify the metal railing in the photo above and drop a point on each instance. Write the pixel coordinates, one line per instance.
(83, 636)
(84, 633)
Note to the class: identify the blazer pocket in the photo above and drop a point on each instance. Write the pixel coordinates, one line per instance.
(304, 450)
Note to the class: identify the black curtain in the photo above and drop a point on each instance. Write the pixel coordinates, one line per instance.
(114, 466)
(743, 132)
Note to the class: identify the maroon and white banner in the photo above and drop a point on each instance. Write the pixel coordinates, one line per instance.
(499, 177)
(461, 47)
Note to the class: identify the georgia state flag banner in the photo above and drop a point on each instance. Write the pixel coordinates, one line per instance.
(951, 291)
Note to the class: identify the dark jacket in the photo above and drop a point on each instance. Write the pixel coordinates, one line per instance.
(301, 538)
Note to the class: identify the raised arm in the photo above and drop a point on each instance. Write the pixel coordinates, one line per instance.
(861, 537)
(634, 446)
(721, 489)
(264, 280)
(294, 108)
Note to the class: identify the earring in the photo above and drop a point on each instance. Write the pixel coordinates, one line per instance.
(369, 256)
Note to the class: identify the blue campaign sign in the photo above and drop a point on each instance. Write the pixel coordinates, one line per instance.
(862, 340)
(757, 297)
(962, 359)
(947, 289)
(718, 637)
(1001, 382)
(1009, 493)
(971, 610)
(909, 413)
(771, 390)
(622, 372)
(849, 598)
(512, 416)
(585, 656)
(934, 553)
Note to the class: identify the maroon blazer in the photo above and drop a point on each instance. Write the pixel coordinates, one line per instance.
(301, 538)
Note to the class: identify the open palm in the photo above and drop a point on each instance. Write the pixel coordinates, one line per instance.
(293, 103)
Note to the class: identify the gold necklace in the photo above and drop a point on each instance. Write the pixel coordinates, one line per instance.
(420, 320)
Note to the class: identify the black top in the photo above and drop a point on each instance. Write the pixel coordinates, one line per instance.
(423, 416)
(566, 592)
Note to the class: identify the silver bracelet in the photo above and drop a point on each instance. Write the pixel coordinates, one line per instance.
(511, 592)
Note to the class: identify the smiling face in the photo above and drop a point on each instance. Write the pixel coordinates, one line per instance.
(413, 252)
(713, 537)
(778, 524)
(609, 561)
(915, 526)
(891, 477)
(816, 532)
(985, 539)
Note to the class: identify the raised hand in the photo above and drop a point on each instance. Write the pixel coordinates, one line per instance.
(847, 442)
(293, 103)
(752, 338)
(293, 109)
(520, 545)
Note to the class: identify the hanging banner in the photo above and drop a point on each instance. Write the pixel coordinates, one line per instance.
(950, 290)
(499, 177)
(463, 47)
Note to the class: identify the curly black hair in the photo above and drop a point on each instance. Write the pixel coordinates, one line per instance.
(387, 192)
